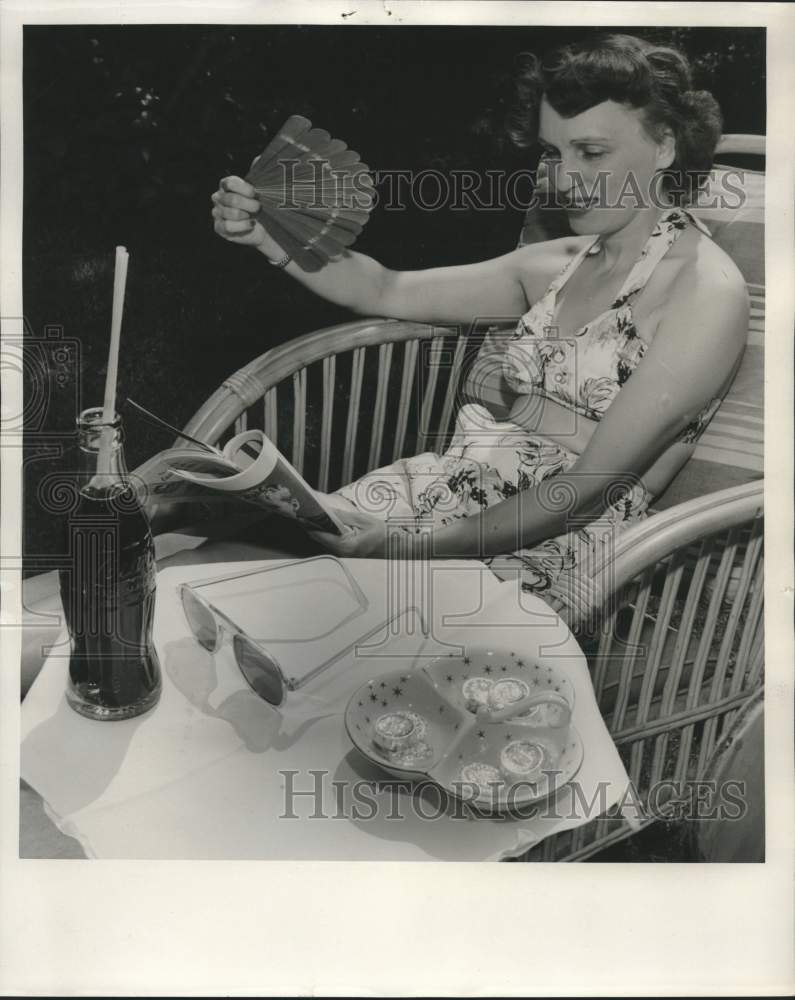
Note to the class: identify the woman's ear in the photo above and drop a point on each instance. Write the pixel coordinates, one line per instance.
(666, 150)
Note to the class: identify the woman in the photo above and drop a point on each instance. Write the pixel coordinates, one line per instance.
(638, 290)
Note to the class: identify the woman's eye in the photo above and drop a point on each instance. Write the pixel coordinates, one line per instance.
(593, 154)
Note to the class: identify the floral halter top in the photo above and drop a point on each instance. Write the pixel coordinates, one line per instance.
(586, 371)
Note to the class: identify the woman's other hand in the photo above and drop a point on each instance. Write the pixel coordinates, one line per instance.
(235, 206)
(367, 537)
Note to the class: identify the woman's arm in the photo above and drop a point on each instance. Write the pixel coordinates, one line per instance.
(436, 295)
(694, 352)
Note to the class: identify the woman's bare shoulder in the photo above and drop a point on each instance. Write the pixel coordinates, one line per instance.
(708, 266)
(709, 271)
(540, 263)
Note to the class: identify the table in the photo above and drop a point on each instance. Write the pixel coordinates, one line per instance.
(210, 771)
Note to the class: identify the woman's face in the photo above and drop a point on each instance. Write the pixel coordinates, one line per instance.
(602, 165)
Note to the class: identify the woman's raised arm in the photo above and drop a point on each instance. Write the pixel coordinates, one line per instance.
(356, 281)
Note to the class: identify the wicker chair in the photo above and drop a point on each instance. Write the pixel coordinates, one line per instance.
(674, 632)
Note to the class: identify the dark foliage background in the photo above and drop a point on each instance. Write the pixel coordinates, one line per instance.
(127, 131)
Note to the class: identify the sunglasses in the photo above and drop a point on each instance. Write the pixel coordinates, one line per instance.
(213, 629)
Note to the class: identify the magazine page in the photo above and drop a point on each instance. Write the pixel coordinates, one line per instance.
(173, 502)
(266, 479)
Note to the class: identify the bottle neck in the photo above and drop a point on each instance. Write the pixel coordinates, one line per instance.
(101, 468)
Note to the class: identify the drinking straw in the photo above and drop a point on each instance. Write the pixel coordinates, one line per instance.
(109, 407)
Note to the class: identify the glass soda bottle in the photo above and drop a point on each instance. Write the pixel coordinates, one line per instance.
(108, 582)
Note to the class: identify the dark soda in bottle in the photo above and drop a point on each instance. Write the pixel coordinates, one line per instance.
(108, 584)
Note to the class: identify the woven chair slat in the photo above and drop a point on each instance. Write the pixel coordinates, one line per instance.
(270, 417)
(684, 638)
(750, 558)
(379, 409)
(750, 655)
(241, 423)
(682, 644)
(453, 384)
(329, 385)
(299, 418)
(604, 650)
(660, 636)
(352, 424)
(633, 647)
(740, 679)
(716, 600)
(410, 353)
(709, 734)
(431, 372)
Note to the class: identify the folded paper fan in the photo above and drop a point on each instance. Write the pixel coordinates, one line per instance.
(315, 193)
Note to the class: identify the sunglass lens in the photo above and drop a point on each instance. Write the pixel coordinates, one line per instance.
(200, 619)
(260, 670)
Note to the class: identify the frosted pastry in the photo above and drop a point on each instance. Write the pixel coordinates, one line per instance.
(476, 692)
(523, 759)
(507, 691)
(483, 776)
(395, 730)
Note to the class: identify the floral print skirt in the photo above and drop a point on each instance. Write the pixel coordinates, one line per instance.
(487, 462)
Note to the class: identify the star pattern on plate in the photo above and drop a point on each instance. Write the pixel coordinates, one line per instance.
(384, 704)
(397, 691)
(481, 734)
(373, 696)
(449, 678)
(487, 669)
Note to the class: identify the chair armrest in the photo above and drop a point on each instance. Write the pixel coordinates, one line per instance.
(658, 536)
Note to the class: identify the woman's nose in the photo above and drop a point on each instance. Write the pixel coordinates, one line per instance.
(563, 177)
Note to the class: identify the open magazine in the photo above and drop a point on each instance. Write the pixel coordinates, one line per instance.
(192, 485)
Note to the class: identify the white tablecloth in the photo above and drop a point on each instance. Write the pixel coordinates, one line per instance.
(208, 772)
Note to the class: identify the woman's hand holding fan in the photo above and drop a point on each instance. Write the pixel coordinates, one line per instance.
(307, 192)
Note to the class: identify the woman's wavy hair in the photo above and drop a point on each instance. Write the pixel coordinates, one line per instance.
(652, 78)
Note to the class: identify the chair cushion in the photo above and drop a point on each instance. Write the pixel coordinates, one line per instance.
(730, 451)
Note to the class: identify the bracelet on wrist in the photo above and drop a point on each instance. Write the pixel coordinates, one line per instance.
(281, 262)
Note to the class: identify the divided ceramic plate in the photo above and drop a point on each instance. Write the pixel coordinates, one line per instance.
(422, 723)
